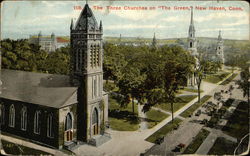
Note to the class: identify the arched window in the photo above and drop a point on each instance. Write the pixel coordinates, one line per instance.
(91, 56)
(68, 122)
(12, 116)
(191, 45)
(95, 122)
(37, 122)
(24, 118)
(68, 127)
(50, 125)
(2, 114)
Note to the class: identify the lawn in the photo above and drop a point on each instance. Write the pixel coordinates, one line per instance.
(237, 125)
(215, 78)
(196, 105)
(122, 119)
(198, 140)
(163, 131)
(227, 81)
(154, 117)
(180, 102)
(222, 147)
(15, 149)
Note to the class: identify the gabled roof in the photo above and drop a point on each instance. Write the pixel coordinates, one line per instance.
(49, 90)
(86, 20)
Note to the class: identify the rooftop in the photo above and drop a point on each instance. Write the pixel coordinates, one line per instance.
(43, 89)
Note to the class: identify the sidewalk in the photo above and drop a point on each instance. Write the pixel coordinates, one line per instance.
(214, 134)
(32, 145)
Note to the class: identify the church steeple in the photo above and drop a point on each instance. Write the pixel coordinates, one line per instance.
(192, 43)
(220, 49)
(191, 26)
(219, 37)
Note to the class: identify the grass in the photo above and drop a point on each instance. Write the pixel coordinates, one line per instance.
(154, 117)
(196, 105)
(215, 78)
(122, 119)
(198, 140)
(228, 80)
(180, 102)
(15, 149)
(237, 125)
(123, 124)
(163, 131)
(222, 147)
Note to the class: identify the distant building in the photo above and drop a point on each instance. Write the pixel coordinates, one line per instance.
(217, 54)
(48, 43)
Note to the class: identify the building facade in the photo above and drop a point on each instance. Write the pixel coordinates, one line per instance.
(217, 54)
(59, 110)
(47, 43)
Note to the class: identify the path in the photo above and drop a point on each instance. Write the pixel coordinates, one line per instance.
(143, 124)
(190, 128)
(215, 133)
(32, 145)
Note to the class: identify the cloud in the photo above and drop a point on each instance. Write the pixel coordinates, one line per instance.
(135, 26)
(219, 15)
(237, 23)
(135, 15)
(175, 19)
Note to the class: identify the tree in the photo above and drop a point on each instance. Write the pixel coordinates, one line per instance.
(177, 66)
(244, 82)
(130, 83)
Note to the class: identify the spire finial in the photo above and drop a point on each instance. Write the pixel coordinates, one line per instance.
(86, 1)
(72, 24)
(100, 27)
(191, 16)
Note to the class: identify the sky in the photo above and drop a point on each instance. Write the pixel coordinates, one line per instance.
(19, 19)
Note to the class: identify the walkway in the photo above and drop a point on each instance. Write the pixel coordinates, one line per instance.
(215, 133)
(190, 128)
(143, 124)
(32, 145)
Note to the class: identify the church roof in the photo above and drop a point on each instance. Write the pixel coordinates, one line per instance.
(49, 90)
(86, 20)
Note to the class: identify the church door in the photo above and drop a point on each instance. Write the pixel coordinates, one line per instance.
(95, 122)
(68, 128)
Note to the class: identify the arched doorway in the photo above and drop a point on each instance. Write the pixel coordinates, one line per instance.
(95, 129)
(68, 128)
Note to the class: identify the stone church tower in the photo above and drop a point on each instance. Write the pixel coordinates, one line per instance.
(220, 49)
(87, 74)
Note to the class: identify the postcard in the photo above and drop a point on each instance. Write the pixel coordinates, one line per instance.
(124, 78)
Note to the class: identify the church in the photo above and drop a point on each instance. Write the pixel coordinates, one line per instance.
(216, 55)
(60, 111)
